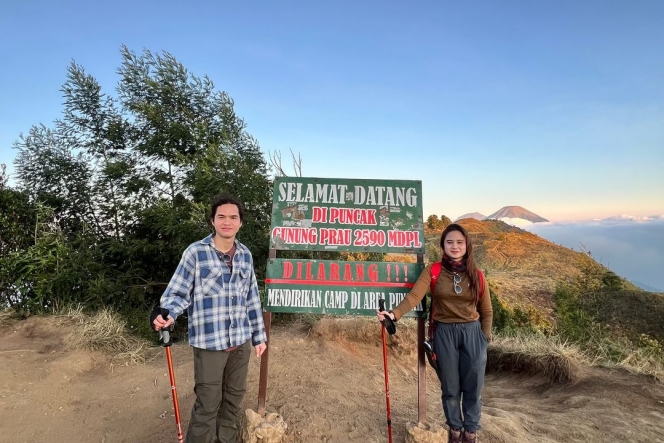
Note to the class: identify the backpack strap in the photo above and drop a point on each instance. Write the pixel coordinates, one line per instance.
(436, 268)
(480, 293)
(435, 272)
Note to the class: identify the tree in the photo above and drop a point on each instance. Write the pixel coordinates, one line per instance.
(218, 169)
(125, 182)
(17, 217)
(437, 224)
(433, 222)
(17, 222)
(194, 146)
(4, 179)
(93, 125)
(53, 173)
(277, 164)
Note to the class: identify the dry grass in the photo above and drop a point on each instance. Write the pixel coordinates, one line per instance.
(647, 359)
(642, 361)
(367, 330)
(529, 354)
(353, 329)
(103, 331)
(562, 362)
(6, 314)
(550, 357)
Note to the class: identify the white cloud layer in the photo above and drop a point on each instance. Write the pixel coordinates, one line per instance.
(633, 247)
(518, 222)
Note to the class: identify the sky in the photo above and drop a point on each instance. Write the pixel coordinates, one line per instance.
(556, 106)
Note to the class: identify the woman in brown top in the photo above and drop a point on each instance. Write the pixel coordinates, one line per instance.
(462, 331)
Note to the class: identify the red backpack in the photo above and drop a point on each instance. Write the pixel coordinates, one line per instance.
(436, 268)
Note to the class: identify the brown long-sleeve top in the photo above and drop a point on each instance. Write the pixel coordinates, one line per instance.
(448, 306)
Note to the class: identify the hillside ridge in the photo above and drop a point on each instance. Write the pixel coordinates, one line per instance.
(523, 268)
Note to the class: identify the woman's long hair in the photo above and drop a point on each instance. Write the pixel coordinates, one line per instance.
(468, 259)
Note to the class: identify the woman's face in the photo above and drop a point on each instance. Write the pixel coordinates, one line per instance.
(455, 245)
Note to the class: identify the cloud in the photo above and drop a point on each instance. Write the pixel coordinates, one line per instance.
(630, 218)
(633, 247)
(518, 222)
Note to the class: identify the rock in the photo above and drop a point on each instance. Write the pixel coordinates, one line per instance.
(270, 428)
(416, 433)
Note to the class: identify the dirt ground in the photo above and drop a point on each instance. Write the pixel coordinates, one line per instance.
(327, 388)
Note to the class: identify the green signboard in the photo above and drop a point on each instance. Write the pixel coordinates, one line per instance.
(347, 215)
(337, 287)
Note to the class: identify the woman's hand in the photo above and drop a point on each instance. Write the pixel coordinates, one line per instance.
(383, 314)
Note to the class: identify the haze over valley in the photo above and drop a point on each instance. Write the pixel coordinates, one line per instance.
(632, 247)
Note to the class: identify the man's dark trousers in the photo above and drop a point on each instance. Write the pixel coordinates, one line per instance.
(220, 384)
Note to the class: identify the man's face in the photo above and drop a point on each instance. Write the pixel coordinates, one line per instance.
(227, 221)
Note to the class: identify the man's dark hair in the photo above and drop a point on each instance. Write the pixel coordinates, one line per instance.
(225, 199)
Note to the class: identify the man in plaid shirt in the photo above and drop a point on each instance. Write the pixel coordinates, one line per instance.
(216, 284)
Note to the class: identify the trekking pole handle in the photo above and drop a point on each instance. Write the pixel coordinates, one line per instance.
(387, 321)
(165, 334)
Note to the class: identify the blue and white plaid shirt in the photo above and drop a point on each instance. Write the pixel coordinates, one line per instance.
(224, 307)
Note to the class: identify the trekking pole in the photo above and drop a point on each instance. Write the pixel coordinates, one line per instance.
(392, 328)
(165, 336)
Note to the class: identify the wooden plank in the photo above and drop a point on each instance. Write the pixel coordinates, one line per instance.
(421, 365)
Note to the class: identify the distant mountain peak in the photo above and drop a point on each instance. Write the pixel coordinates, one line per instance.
(475, 215)
(516, 212)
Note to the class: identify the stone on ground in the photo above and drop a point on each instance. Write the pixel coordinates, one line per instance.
(269, 428)
(416, 433)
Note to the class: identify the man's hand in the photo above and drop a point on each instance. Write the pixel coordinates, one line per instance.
(157, 320)
(159, 323)
(260, 349)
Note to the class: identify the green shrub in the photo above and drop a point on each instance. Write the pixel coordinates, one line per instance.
(577, 322)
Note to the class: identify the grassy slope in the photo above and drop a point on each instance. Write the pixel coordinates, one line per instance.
(523, 268)
(632, 312)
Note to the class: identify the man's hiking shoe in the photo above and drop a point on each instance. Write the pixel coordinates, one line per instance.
(454, 436)
(469, 437)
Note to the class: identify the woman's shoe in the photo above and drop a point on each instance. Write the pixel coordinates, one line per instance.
(454, 436)
(469, 437)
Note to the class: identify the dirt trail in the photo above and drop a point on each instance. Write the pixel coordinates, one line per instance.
(328, 389)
